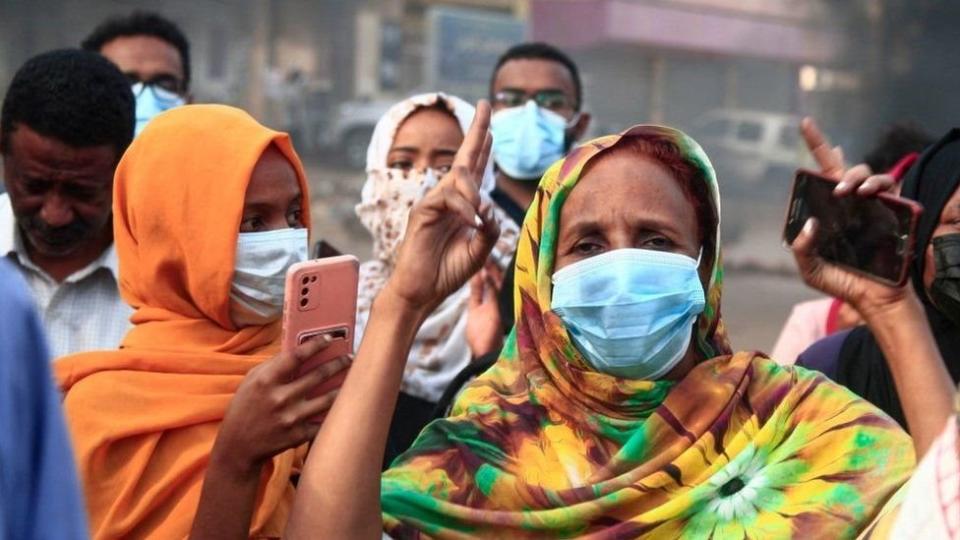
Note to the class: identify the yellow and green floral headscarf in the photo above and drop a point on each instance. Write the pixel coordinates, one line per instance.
(542, 446)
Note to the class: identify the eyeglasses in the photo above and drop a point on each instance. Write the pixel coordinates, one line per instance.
(166, 83)
(554, 100)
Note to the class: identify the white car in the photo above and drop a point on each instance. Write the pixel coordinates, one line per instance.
(352, 128)
(750, 148)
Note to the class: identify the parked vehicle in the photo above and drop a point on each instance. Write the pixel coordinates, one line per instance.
(752, 149)
(350, 131)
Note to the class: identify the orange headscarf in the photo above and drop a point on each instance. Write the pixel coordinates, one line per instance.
(144, 418)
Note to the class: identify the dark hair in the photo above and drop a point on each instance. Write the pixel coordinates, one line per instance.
(541, 51)
(896, 141)
(142, 23)
(77, 97)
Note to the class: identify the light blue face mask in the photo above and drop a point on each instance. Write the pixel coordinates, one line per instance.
(151, 101)
(630, 312)
(527, 140)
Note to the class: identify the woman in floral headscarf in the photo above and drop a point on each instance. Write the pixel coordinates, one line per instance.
(616, 409)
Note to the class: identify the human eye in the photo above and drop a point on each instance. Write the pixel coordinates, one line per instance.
(295, 218)
(657, 242)
(252, 224)
(508, 98)
(82, 193)
(35, 186)
(443, 168)
(553, 101)
(401, 164)
(588, 248)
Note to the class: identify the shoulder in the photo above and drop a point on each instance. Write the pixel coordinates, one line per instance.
(824, 354)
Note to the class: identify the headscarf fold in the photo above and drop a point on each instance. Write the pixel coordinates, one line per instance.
(541, 446)
(862, 367)
(144, 418)
(440, 349)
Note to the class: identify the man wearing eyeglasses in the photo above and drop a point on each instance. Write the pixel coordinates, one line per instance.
(154, 55)
(537, 97)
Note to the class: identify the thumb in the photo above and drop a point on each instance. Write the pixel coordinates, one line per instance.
(804, 252)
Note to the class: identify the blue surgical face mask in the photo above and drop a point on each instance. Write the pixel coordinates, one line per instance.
(260, 272)
(151, 101)
(527, 140)
(630, 312)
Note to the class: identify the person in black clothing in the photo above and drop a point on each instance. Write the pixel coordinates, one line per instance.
(854, 358)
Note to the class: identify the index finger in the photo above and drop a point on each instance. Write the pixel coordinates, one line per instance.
(827, 159)
(469, 152)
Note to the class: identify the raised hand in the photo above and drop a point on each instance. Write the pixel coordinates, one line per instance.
(449, 233)
(484, 327)
(869, 297)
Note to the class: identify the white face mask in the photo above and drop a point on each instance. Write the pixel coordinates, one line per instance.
(260, 271)
(387, 198)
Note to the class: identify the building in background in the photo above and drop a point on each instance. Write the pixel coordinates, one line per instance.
(725, 70)
(324, 69)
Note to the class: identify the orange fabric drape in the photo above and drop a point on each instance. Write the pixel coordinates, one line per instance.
(144, 418)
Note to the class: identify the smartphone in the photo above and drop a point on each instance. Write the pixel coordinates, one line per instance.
(320, 299)
(871, 236)
(324, 249)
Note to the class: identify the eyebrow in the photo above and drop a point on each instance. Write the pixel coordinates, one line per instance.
(266, 205)
(646, 223)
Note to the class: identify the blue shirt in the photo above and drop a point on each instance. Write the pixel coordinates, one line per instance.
(39, 493)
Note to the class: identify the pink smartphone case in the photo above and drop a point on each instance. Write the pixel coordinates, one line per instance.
(321, 299)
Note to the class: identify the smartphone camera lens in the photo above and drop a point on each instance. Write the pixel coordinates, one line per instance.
(305, 280)
(303, 302)
(313, 279)
(305, 291)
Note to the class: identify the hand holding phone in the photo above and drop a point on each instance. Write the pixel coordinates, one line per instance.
(320, 302)
(873, 236)
(871, 295)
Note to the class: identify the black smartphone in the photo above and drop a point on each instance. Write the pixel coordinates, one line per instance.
(323, 249)
(872, 236)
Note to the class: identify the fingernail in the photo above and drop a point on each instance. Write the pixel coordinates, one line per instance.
(477, 220)
(808, 226)
(842, 186)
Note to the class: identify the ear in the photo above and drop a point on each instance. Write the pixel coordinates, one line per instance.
(580, 128)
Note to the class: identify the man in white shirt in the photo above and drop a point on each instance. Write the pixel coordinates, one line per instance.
(67, 118)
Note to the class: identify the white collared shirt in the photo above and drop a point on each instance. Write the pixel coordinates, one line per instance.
(82, 313)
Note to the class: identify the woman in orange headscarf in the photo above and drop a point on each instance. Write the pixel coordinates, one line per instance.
(210, 208)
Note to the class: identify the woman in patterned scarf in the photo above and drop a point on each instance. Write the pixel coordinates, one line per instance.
(585, 427)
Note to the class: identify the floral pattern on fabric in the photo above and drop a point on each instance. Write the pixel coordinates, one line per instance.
(541, 446)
